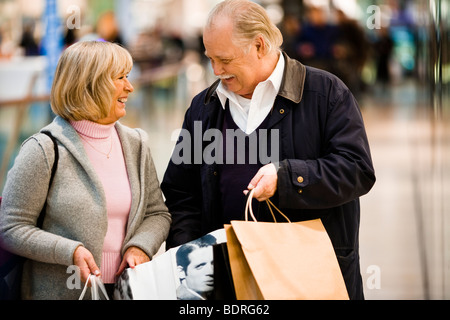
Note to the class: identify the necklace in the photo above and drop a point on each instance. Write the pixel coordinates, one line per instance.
(106, 154)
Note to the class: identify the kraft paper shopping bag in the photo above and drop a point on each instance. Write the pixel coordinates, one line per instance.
(245, 286)
(283, 261)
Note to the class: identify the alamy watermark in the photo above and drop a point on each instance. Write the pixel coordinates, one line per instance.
(373, 281)
(74, 279)
(373, 21)
(73, 21)
(191, 148)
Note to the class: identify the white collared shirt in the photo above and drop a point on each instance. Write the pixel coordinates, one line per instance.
(248, 114)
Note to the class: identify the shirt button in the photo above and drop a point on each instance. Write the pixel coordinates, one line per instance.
(281, 111)
(300, 179)
(300, 191)
(215, 173)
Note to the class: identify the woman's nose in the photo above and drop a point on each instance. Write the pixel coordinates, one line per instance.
(129, 86)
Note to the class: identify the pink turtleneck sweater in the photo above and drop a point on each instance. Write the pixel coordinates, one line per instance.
(101, 142)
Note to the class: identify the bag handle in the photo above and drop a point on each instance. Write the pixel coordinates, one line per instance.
(248, 207)
(96, 283)
(40, 220)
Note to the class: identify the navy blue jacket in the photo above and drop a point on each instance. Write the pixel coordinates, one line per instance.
(324, 164)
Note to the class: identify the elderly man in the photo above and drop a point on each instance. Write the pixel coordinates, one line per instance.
(320, 161)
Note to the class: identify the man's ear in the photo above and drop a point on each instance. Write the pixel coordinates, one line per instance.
(260, 45)
(181, 273)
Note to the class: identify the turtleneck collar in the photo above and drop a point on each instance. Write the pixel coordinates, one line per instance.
(92, 129)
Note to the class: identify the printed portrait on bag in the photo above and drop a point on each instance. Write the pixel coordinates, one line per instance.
(181, 273)
(195, 266)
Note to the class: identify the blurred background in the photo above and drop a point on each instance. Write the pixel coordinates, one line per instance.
(393, 54)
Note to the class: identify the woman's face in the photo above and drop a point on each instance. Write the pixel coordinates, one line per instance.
(123, 89)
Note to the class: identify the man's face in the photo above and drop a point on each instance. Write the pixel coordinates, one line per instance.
(239, 71)
(200, 271)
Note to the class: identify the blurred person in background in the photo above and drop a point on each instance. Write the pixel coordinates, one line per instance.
(316, 39)
(291, 29)
(108, 29)
(383, 48)
(7, 45)
(105, 210)
(28, 43)
(350, 52)
(324, 158)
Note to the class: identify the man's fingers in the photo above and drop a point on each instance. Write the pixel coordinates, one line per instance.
(264, 183)
(255, 180)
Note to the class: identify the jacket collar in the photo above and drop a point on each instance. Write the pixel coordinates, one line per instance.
(293, 80)
(292, 83)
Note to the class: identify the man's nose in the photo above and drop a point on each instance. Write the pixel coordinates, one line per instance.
(217, 68)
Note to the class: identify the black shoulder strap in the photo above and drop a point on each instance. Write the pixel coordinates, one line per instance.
(40, 220)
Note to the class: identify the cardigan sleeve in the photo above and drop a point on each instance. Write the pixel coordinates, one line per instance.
(24, 196)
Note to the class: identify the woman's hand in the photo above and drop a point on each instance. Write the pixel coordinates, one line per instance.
(84, 260)
(132, 257)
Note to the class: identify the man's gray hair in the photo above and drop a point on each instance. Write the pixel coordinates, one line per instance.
(249, 21)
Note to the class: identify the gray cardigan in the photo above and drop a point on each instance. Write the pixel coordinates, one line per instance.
(76, 207)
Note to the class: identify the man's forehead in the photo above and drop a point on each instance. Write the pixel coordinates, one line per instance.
(219, 47)
(219, 22)
(219, 55)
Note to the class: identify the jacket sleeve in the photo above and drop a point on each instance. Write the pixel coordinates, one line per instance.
(342, 172)
(182, 189)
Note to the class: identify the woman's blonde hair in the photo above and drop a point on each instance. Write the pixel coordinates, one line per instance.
(249, 21)
(83, 86)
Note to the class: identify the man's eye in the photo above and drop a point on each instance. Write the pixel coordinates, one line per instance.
(200, 266)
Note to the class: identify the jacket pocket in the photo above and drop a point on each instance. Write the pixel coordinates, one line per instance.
(348, 260)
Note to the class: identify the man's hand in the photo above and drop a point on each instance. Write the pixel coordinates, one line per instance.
(264, 183)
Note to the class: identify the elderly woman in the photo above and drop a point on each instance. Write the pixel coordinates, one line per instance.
(105, 210)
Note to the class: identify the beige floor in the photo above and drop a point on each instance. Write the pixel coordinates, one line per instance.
(388, 235)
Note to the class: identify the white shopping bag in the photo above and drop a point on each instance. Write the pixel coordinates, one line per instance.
(164, 279)
(96, 284)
